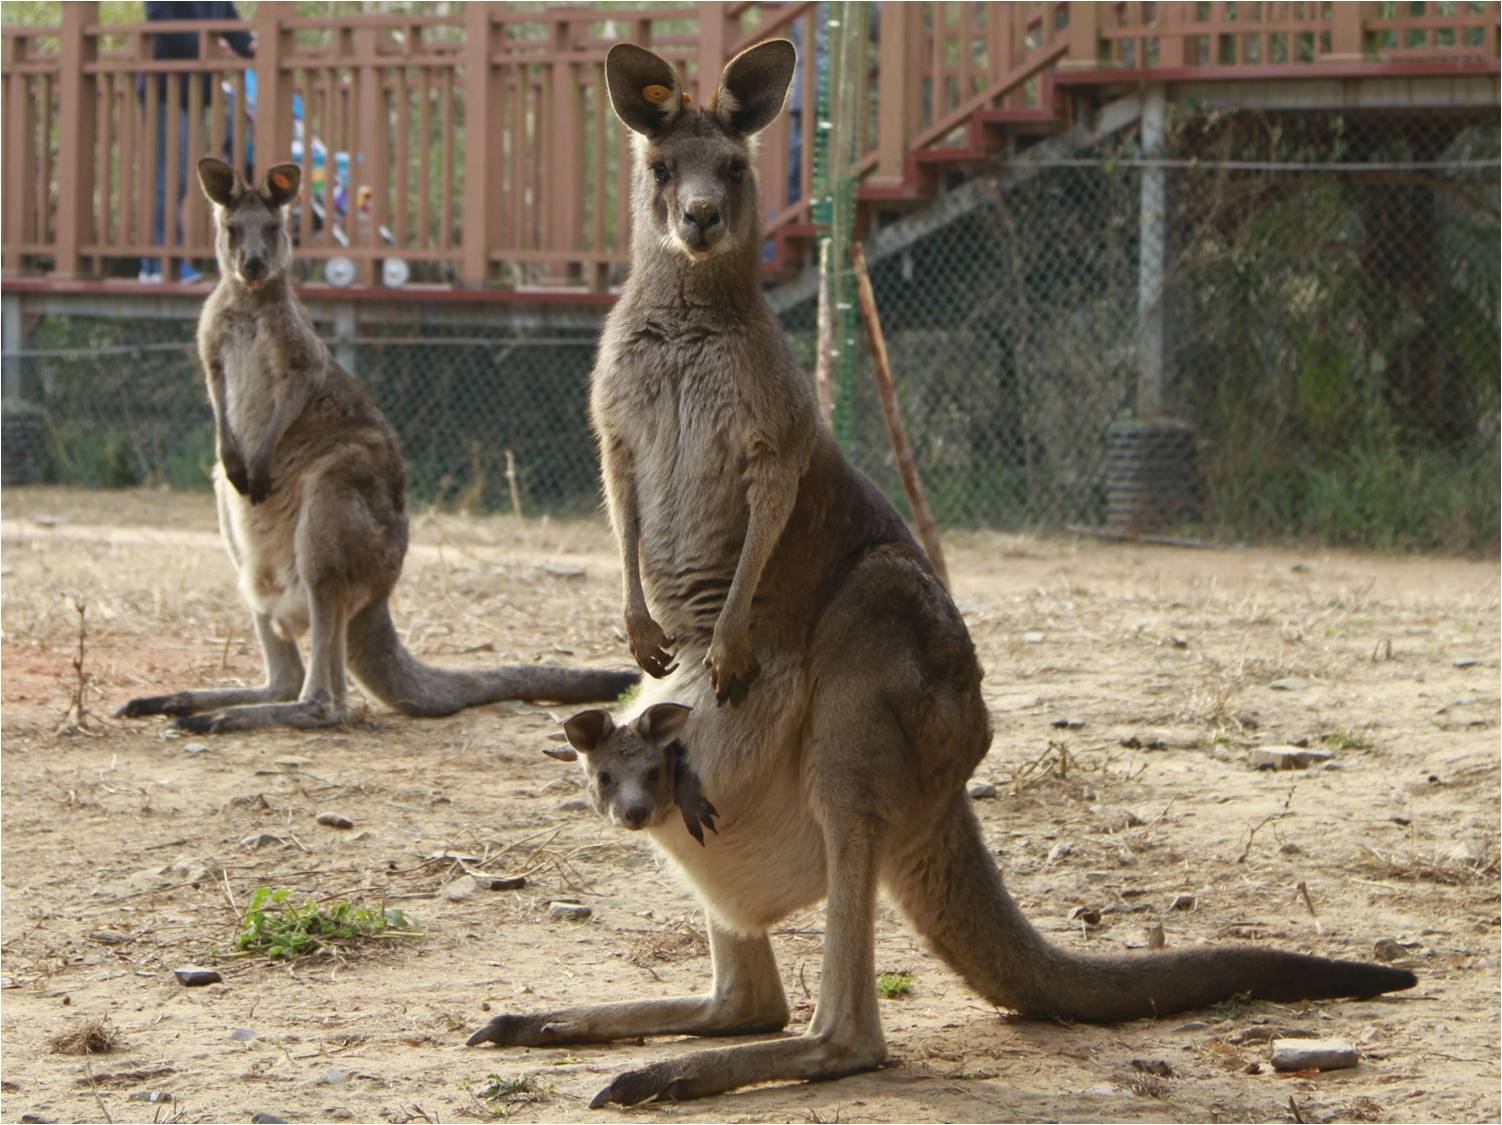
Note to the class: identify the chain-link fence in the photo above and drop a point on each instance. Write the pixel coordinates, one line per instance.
(1300, 340)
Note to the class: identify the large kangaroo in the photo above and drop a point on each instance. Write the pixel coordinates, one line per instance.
(750, 542)
(311, 490)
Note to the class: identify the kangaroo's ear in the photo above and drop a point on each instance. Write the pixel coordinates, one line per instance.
(562, 753)
(587, 729)
(282, 182)
(661, 722)
(643, 88)
(754, 86)
(220, 182)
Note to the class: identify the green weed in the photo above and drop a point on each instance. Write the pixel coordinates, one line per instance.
(893, 986)
(277, 927)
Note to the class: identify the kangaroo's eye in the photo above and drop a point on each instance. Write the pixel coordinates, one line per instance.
(273, 229)
(604, 778)
(660, 172)
(234, 236)
(653, 774)
(736, 172)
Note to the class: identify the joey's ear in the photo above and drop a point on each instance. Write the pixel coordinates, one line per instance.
(643, 88)
(587, 729)
(562, 753)
(662, 722)
(220, 182)
(282, 181)
(754, 86)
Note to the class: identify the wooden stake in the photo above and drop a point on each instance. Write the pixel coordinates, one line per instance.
(886, 391)
(824, 360)
(516, 496)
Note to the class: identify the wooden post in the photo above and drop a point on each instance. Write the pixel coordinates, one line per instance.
(1345, 33)
(1084, 37)
(482, 150)
(899, 90)
(75, 130)
(273, 131)
(824, 348)
(565, 176)
(20, 141)
(714, 47)
(886, 391)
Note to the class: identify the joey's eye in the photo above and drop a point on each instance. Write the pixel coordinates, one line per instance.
(737, 172)
(653, 774)
(604, 778)
(660, 172)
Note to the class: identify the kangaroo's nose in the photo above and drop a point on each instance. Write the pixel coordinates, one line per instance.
(701, 213)
(253, 268)
(634, 816)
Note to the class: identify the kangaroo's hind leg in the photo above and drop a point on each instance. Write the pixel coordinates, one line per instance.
(284, 677)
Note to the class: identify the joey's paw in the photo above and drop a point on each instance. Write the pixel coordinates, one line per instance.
(732, 669)
(662, 1081)
(525, 1031)
(258, 487)
(698, 814)
(236, 473)
(652, 648)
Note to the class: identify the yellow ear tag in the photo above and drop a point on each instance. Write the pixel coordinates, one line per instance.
(686, 98)
(281, 180)
(656, 94)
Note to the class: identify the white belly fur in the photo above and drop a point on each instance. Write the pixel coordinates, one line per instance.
(262, 545)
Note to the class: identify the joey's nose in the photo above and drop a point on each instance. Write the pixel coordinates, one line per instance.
(634, 816)
(701, 213)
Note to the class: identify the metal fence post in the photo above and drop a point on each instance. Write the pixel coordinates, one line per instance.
(1150, 263)
(75, 124)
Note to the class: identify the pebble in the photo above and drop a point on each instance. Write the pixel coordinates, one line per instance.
(574, 804)
(1160, 1067)
(339, 1113)
(1068, 724)
(563, 570)
(333, 1076)
(569, 911)
(1097, 876)
(1289, 683)
(193, 975)
(1287, 757)
(1291, 848)
(1086, 914)
(1388, 949)
(1033, 638)
(1182, 902)
(1252, 1068)
(260, 1118)
(37, 1119)
(197, 748)
(1060, 850)
(242, 1034)
(982, 791)
(335, 820)
(110, 937)
(150, 1097)
(1155, 937)
(461, 888)
(260, 840)
(1466, 662)
(291, 761)
(500, 882)
(1192, 1025)
(1323, 1054)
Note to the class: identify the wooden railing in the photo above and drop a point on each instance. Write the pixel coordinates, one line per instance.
(479, 149)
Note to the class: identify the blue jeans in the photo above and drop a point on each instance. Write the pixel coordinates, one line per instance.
(159, 205)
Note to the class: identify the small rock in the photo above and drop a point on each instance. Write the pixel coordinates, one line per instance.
(500, 882)
(1182, 902)
(45, 521)
(339, 1113)
(1089, 915)
(1389, 949)
(38, 1119)
(1155, 937)
(574, 804)
(333, 1076)
(563, 570)
(259, 1118)
(1247, 721)
(1033, 638)
(1286, 757)
(1466, 662)
(461, 889)
(1320, 1054)
(1192, 1025)
(150, 1097)
(291, 761)
(260, 840)
(1160, 1067)
(455, 857)
(569, 911)
(1289, 683)
(982, 791)
(1060, 850)
(1068, 724)
(1252, 1068)
(335, 820)
(110, 937)
(1097, 876)
(1372, 1034)
(1291, 848)
(197, 748)
(242, 1034)
(193, 976)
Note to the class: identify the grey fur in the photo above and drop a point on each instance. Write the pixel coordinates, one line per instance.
(786, 584)
(311, 495)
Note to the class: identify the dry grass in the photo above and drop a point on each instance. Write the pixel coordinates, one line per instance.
(96, 1036)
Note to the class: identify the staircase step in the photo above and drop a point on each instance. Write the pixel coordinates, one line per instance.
(956, 154)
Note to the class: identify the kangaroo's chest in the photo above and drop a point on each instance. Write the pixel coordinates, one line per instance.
(248, 354)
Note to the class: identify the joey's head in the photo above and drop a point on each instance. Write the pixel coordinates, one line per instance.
(250, 224)
(694, 187)
(630, 769)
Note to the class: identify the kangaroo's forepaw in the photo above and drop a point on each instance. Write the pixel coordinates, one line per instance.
(258, 488)
(525, 1031)
(732, 671)
(652, 648)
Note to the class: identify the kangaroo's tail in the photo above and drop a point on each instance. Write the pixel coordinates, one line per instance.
(393, 675)
(950, 887)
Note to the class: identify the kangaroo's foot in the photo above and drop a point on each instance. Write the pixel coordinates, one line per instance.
(809, 1057)
(604, 1023)
(206, 699)
(305, 714)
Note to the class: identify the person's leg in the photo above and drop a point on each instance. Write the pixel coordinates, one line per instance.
(151, 268)
(185, 271)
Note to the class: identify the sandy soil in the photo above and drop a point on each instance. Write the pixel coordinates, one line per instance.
(126, 855)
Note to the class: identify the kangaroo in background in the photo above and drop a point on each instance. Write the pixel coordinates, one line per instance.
(311, 491)
(785, 584)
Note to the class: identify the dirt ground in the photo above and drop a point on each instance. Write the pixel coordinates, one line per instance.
(1128, 685)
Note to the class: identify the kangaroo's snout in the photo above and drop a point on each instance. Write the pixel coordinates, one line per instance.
(253, 269)
(636, 815)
